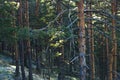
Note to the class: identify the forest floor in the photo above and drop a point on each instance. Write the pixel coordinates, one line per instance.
(7, 70)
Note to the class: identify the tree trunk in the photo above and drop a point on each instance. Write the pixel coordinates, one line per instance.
(107, 50)
(16, 49)
(81, 39)
(37, 8)
(114, 42)
(28, 39)
(21, 48)
(36, 41)
(91, 44)
(21, 44)
(16, 58)
(38, 49)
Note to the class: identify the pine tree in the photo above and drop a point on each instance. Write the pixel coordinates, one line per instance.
(28, 39)
(81, 39)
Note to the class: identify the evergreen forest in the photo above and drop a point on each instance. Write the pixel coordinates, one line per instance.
(59, 39)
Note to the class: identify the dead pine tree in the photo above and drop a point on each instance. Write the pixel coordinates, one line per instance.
(81, 39)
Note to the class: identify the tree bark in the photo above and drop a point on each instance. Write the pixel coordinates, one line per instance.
(28, 39)
(81, 39)
(114, 42)
(107, 49)
(16, 48)
(36, 41)
(16, 58)
(21, 48)
(37, 8)
(38, 50)
(91, 43)
(21, 44)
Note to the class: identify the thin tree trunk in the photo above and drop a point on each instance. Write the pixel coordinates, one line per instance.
(16, 49)
(81, 39)
(110, 63)
(21, 44)
(36, 41)
(112, 56)
(104, 69)
(28, 40)
(37, 8)
(114, 43)
(91, 44)
(21, 47)
(107, 49)
(61, 75)
(59, 9)
(37, 56)
(16, 57)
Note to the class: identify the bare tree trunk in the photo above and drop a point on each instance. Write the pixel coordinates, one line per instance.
(110, 62)
(37, 8)
(38, 50)
(21, 48)
(36, 41)
(21, 44)
(91, 44)
(112, 56)
(28, 40)
(59, 9)
(114, 43)
(16, 57)
(81, 39)
(107, 49)
(16, 49)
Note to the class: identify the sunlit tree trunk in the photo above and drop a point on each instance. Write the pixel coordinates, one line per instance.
(114, 42)
(81, 39)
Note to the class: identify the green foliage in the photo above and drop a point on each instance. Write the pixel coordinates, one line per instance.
(23, 33)
(76, 0)
(56, 36)
(7, 20)
(40, 36)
